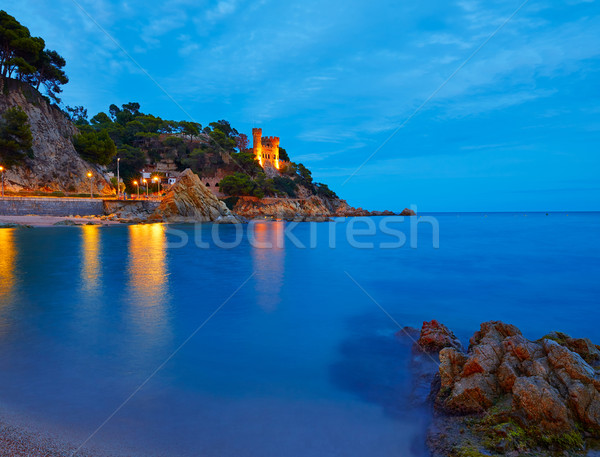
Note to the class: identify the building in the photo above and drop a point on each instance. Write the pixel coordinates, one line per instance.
(266, 149)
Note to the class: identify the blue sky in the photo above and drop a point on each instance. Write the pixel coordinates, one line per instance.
(517, 128)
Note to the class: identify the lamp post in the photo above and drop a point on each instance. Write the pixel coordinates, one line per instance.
(2, 171)
(157, 181)
(118, 180)
(89, 175)
(145, 184)
(137, 184)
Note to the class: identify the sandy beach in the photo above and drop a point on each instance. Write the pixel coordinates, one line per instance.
(49, 221)
(18, 441)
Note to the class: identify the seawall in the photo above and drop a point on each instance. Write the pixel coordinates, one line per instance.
(62, 207)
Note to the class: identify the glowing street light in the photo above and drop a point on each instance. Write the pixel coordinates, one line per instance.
(89, 175)
(137, 184)
(2, 171)
(145, 184)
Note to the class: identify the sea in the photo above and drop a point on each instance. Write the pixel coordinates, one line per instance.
(272, 338)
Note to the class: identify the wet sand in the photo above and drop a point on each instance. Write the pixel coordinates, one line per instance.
(16, 441)
(49, 221)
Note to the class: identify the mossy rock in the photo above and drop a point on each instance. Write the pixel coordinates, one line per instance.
(559, 337)
(468, 450)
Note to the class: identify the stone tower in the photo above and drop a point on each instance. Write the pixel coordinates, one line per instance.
(257, 145)
(265, 149)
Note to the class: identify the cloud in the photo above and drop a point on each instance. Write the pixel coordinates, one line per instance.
(222, 9)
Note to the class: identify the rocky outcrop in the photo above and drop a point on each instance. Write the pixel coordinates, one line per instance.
(188, 200)
(310, 208)
(301, 209)
(56, 166)
(407, 212)
(517, 394)
(435, 336)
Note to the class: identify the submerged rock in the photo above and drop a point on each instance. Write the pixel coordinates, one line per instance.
(188, 200)
(67, 222)
(514, 395)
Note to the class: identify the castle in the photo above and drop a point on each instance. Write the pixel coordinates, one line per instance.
(265, 149)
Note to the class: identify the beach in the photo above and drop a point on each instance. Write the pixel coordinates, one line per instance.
(49, 221)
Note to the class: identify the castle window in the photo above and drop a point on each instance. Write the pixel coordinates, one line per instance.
(207, 184)
(217, 185)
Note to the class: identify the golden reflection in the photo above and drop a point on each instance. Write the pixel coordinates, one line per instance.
(268, 258)
(8, 257)
(148, 276)
(90, 271)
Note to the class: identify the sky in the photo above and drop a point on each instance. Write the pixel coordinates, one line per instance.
(441, 104)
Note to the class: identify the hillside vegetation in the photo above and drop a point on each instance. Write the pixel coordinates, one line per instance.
(138, 139)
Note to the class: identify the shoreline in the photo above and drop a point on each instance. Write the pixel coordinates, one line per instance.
(18, 439)
(51, 221)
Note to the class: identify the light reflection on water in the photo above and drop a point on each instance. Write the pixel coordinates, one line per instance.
(90, 270)
(299, 362)
(7, 273)
(147, 287)
(268, 257)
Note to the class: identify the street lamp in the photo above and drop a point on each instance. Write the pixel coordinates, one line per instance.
(137, 184)
(145, 184)
(89, 175)
(2, 171)
(118, 180)
(156, 179)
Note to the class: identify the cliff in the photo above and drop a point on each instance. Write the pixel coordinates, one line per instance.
(56, 166)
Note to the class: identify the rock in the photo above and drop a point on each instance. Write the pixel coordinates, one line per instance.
(409, 332)
(13, 225)
(435, 336)
(585, 348)
(306, 208)
(513, 393)
(408, 212)
(451, 366)
(56, 165)
(188, 200)
(542, 404)
(66, 222)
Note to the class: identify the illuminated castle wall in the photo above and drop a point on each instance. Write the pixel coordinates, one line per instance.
(266, 149)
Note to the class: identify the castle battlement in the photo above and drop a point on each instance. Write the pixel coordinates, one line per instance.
(266, 149)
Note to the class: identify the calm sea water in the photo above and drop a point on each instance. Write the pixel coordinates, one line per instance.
(300, 358)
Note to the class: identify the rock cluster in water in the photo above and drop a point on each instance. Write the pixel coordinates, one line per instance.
(507, 395)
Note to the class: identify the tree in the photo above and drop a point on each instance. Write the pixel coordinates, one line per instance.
(100, 119)
(241, 142)
(283, 155)
(50, 73)
(132, 162)
(323, 190)
(285, 185)
(240, 184)
(247, 163)
(25, 58)
(191, 129)
(77, 114)
(95, 146)
(16, 139)
(196, 161)
(304, 174)
(16, 45)
(225, 127)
